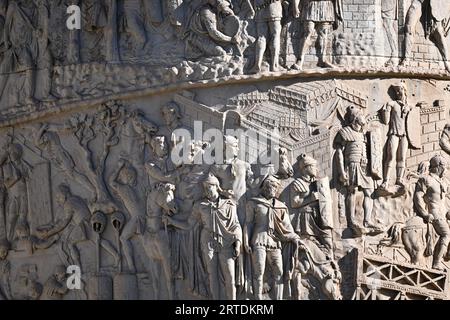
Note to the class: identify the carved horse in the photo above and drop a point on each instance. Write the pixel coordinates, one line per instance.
(160, 203)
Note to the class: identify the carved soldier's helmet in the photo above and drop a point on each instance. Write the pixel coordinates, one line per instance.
(211, 180)
(305, 161)
(270, 179)
(437, 161)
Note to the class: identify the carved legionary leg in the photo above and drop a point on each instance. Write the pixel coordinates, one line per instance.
(275, 44)
(259, 265)
(305, 42)
(412, 19)
(441, 43)
(324, 43)
(261, 45)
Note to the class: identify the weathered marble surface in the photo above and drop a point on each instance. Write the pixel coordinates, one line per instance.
(354, 186)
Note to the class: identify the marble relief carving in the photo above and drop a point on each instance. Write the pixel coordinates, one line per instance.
(224, 149)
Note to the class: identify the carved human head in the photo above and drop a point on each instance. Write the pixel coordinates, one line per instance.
(270, 187)
(211, 187)
(231, 147)
(355, 118)
(307, 165)
(170, 113)
(438, 165)
(15, 151)
(127, 174)
(159, 146)
(4, 249)
(60, 273)
(399, 90)
(223, 6)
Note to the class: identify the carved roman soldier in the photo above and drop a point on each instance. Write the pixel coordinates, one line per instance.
(323, 15)
(353, 166)
(311, 220)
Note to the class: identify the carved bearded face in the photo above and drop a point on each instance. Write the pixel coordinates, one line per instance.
(270, 189)
(159, 146)
(211, 191)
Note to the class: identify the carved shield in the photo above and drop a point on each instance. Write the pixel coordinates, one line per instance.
(376, 154)
(325, 202)
(413, 128)
(231, 26)
(440, 10)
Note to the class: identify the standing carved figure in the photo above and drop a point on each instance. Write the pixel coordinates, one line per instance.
(268, 14)
(44, 61)
(320, 15)
(429, 203)
(353, 166)
(220, 237)
(267, 224)
(389, 15)
(436, 18)
(395, 114)
(20, 55)
(309, 221)
(16, 172)
(123, 183)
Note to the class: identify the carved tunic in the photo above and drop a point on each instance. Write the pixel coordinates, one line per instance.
(271, 223)
(308, 220)
(221, 227)
(268, 10)
(389, 9)
(319, 11)
(397, 112)
(354, 147)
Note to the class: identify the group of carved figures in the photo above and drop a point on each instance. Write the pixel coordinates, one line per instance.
(219, 228)
(209, 27)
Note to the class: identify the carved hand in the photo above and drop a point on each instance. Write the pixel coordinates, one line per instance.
(344, 178)
(296, 12)
(237, 249)
(429, 218)
(247, 248)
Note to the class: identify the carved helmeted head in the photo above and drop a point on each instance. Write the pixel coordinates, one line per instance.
(211, 187)
(222, 6)
(171, 114)
(355, 118)
(438, 165)
(270, 187)
(307, 166)
(165, 197)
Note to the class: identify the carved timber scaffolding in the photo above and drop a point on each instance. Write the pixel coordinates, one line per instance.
(380, 278)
